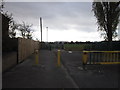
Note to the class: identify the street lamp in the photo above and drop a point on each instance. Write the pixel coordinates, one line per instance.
(47, 33)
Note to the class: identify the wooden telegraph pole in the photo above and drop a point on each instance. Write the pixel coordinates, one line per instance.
(41, 27)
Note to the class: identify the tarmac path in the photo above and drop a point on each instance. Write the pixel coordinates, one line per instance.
(70, 75)
(95, 76)
(44, 75)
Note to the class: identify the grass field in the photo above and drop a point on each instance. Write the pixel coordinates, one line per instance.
(77, 47)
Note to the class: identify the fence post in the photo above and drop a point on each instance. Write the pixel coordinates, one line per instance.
(58, 55)
(84, 59)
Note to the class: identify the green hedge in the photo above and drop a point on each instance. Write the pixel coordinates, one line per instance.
(101, 46)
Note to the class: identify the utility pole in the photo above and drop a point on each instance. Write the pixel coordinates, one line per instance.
(41, 27)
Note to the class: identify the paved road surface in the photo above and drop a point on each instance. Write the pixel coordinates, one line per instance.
(45, 75)
(95, 76)
(69, 75)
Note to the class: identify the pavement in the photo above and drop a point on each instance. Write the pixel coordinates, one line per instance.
(70, 75)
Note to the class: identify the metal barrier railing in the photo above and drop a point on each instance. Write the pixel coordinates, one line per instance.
(101, 57)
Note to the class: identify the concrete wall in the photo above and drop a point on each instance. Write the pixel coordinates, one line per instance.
(0, 51)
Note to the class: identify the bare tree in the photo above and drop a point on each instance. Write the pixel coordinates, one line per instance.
(12, 27)
(1, 6)
(26, 30)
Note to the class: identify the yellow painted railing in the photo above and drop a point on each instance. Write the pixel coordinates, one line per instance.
(101, 57)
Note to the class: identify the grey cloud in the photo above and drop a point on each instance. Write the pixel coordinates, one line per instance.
(60, 16)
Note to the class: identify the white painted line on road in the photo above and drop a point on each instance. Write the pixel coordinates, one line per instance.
(69, 77)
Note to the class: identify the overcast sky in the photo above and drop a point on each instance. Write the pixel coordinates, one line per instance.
(66, 21)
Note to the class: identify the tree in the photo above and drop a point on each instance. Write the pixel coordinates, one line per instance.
(1, 6)
(12, 27)
(26, 30)
(107, 14)
(12, 24)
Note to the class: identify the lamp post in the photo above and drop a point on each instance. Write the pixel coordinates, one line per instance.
(47, 33)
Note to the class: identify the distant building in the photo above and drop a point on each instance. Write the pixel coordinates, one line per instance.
(60, 42)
